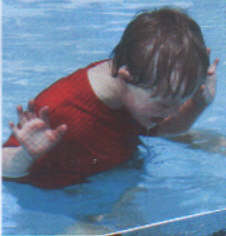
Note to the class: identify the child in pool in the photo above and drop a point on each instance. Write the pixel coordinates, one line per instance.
(157, 83)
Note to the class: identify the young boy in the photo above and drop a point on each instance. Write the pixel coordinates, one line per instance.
(157, 83)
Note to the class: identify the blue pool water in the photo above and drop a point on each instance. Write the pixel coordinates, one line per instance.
(45, 40)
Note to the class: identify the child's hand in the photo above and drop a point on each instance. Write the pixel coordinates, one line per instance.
(34, 132)
(206, 92)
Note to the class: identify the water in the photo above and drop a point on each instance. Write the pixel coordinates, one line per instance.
(45, 40)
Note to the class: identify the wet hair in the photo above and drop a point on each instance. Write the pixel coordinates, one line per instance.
(163, 50)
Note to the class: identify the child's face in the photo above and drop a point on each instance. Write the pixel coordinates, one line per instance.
(148, 111)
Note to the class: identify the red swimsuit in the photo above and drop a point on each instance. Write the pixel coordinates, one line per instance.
(97, 138)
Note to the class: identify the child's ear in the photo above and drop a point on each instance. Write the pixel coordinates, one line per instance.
(124, 74)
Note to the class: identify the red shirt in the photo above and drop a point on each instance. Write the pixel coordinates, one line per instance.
(97, 139)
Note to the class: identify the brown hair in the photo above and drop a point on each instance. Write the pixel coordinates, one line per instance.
(163, 50)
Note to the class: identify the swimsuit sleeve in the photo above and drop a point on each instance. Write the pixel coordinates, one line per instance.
(11, 142)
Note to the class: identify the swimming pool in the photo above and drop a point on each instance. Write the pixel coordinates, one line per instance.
(45, 40)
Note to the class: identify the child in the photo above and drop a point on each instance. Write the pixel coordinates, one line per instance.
(157, 83)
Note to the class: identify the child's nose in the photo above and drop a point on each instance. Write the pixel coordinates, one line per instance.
(173, 110)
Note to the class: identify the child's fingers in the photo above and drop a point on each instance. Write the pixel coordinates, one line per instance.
(212, 68)
(31, 110)
(216, 61)
(61, 130)
(31, 107)
(19, 110)
(54, 136)
(208, 51)
(13, 127)
(23, 115)
(43, 114)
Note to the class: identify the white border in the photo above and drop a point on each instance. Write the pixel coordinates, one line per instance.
(165, 222)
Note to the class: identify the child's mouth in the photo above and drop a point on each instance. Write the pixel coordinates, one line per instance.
(156, 120)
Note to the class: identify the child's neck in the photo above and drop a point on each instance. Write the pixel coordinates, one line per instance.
(107, 88)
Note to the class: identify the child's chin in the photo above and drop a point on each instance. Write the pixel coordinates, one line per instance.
(149, 125)
(152, 125)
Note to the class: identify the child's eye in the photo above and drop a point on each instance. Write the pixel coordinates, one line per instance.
(164, 106)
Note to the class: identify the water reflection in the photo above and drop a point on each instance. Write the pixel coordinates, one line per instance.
(203, 139)
(36, 38)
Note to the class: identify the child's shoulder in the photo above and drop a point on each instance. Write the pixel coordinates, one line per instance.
(66, 89)
(61, 90)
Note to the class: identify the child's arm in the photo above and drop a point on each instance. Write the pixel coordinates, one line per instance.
(15, 162)
(35, 137)
(190, 110)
